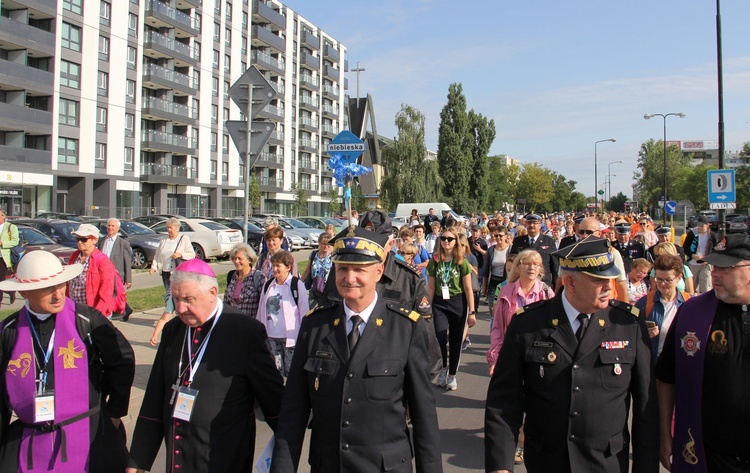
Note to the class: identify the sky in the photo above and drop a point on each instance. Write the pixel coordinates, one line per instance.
(554, 76)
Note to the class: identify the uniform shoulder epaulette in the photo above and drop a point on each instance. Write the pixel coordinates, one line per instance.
(319, 308)
(412, 315)
(407, 266)
(625, 306)
(532, 306)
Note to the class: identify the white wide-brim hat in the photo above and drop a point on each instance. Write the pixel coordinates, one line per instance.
(39, 269)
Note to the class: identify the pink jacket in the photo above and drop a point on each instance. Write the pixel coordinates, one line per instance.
(508, 302)
(100, 282)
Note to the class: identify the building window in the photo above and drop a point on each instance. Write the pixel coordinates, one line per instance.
(133, 25)
(132, 54)
(227, 65)
(104, 48)
(215, 86)
(216, 59)
(101, 119)
(75, 6)
(227, 37)
(214, 139)
(67, 150)
(129, 125)
(128, 159)
(70, 74)
(225, 143)
(100, 159)
(228, 11)
(244, 19)
(213, 169)
(196, 109)
(70, 37)
(197, 49)
(214, 114)
(224, 171)
(225, 116)
(102, 83)
(226, 90)
(243, 66)
(129, 91)
(68, 112)
(105, 12)
(243, 47)
(217, 31)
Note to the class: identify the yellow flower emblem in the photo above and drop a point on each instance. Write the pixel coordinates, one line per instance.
(601, 322)
(336, 322)
(555, 322)
(379, 322)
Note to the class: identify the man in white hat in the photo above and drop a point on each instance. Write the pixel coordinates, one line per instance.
(95, 286)
(67, 373)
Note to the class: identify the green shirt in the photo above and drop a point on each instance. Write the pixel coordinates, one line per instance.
(449, 274)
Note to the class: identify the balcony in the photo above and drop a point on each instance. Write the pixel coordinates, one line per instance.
(158, 109)
(156, 45)
(167, 174)
(331, 73)
(309, 81)
(309, 124)
(15, 76)
(277, 138)
(331, 92)
(262, 37)
(308, 60)
(270, 160)
(326, 170)
(26, 156)
(262, 13)
(310, 40)
(17, 35)
(272, 112)
(265, 61)
(308, 165)
(157, 77)
(184, 4)
(309, 186)
(330, 130)
(331, 111)
(308, 103)
(270, 184)
(152, 140)
(331, 53)
(161, 15)
(47, 7)
(30, 120)
(326, 188)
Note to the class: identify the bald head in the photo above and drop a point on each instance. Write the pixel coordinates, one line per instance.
(587, 225)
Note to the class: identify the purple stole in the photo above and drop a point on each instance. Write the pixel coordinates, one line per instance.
(46, 450)
(691, 337)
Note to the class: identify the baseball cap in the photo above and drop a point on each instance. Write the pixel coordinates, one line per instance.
(730, 251)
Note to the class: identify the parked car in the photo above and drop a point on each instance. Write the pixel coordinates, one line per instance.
(310, 234)
(254, 232)
(740, 224)
(143, 241)
(210, 239)
(60, 231)
(60, 216)
(32, 239)
(296, 240)
(321, 222)
(150, 220)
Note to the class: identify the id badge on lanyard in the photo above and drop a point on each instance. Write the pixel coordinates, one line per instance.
(183, 407)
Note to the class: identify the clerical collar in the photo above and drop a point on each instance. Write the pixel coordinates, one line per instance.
(39, 316)
(365, 314)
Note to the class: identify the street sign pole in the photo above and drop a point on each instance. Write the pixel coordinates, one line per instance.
(249, 113)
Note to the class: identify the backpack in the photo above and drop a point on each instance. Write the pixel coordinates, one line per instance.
(257, 276)
(651, 300)
(295, 288)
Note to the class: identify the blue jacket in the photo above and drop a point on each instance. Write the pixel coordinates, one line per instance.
(656, 315)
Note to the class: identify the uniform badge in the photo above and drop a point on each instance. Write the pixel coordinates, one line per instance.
(690, 343)
(413, 316)
(336, 322)
(718, 344)
(552, 357)
(601, 322)
(721, 246)
(424, 303)
(379, 322)
(618, 369)
(317, 383)
(555, 322)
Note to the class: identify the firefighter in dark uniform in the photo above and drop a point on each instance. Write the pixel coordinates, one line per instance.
(575, 365)
(629, 249)
(663, 234)
(543, 244)
(400, 284)
(356, 366)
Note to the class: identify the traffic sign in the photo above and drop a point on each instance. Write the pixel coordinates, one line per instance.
(348, 145)
(723, 205)
(261, 132)
(671, 207)
(721, 189)
(263, 91)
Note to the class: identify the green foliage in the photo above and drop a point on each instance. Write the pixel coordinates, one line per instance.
(501, 181)
(254, 192)
(482, 135)
(617, 203)
(534, 186)
(650, 174)
(454, 150)
(358, 201)
(299, 205)
(334, 205)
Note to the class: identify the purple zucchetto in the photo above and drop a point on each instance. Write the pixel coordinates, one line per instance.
(196, 266)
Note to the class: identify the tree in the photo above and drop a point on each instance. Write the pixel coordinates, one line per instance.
(650, 174)
(454, 150)
(501, 182)
(482, 134)
(299, 204)
(334, 206)
(742, 180)
(617, 202)
(691, 183)
(254, 192)
(534, 185)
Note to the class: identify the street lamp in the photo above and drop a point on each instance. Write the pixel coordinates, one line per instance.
(664, 142)
(609, 173)
(596, 172)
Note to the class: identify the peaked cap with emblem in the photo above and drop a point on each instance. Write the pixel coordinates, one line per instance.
(376, 221)
(355, 245)
(730, 251)
(663, 230)
(590, 256)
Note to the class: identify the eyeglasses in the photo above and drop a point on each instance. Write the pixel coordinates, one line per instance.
(82, 239)
(499, 235)
(586, 232)
(402, 253)
(448, 239)
(664, 281)
(726, 269)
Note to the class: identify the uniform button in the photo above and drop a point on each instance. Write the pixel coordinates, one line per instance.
(177, 437)
(350, 376)
(177, 466)
(345, 447)
(617, 358)
(346, 423)
(198, 329)
(575, 367)
(348, 400)
(177, 452)
(574, 414)
(385, 371)
(572, 437)
(576, 389)
(403, 460)
(177, 424)
(195, 341)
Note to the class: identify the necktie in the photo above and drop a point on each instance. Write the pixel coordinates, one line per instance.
(354, 334)
(584, 320)
(532, 241)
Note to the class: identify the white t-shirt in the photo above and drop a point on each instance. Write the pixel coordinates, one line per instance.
(670, 309)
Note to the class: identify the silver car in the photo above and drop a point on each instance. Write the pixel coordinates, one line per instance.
(210, 239)
(310, 234)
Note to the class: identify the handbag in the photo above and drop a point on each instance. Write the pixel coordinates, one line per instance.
(16, 253)
(177, 261)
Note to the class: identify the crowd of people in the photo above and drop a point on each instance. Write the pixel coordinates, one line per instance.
(591, 314)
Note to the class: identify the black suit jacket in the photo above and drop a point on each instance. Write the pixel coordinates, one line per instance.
(576, 397)
(568, 240)
(359, 402)
(121, 257)
(545, 245)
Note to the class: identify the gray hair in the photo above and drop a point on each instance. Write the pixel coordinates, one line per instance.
(204, 283)
(173, 222)
(247, 250)
(117, 221)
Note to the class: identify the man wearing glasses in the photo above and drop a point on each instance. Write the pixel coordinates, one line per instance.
(705, 361)
(543, 244)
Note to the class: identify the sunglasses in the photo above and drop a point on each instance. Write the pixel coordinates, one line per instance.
(448, 239)
(82, 239)
(585, 232)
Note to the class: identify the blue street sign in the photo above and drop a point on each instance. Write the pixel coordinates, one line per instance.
(721, 188)
(671, 207)
(347, 145)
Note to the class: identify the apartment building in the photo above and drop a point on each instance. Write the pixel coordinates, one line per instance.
(117, 107)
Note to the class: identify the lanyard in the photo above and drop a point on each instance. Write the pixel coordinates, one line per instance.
(47, 355)
(446, 274)
(193, 366)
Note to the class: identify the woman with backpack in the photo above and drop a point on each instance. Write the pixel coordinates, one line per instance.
(318, 268)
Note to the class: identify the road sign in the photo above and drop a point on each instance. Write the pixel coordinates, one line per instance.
(263, 91)
(261, 132)
(721, 189)
(601, 192)
(671, 207)
(685, 207)
(723, 205)
(347, 144)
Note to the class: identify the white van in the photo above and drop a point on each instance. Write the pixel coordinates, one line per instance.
(404, 210)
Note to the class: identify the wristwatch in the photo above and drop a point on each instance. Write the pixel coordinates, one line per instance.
(473, 312)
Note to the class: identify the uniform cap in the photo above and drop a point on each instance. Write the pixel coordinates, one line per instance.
(590, 256)
(622, 229)
(730, 251)
(358, 246)
(376, 221)
(533, 218)
(664, 230)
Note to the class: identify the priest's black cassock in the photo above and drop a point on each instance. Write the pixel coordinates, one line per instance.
(236, 370)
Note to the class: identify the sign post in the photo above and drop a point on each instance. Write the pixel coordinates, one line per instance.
(344, 151)
(722, 193)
